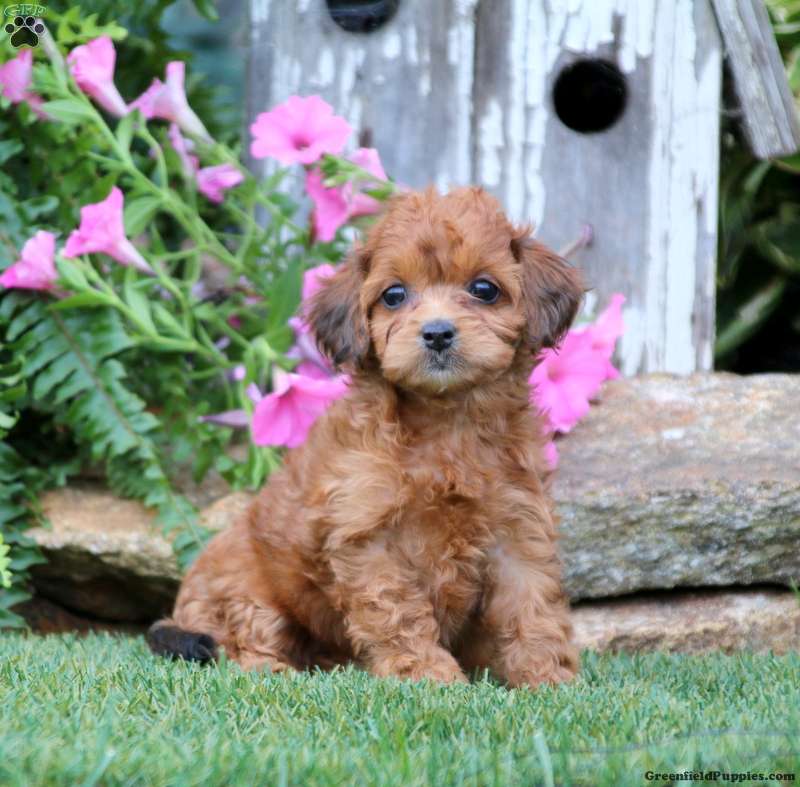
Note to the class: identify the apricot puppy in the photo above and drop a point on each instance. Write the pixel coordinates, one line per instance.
(411, 533)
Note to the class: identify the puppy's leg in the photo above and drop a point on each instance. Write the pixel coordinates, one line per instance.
(526, 615)
(389, 619)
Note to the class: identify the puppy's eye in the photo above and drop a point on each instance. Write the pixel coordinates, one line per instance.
(393, 296)
(484, 290)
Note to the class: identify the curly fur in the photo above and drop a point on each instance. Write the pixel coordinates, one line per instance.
(412, 532)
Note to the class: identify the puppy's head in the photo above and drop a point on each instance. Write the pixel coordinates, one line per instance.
(444, 294)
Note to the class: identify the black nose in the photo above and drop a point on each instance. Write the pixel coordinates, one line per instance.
(438, 335)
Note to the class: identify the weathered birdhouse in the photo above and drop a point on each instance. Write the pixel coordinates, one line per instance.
(572, 112)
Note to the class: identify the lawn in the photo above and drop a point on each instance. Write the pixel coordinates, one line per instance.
(102, 710)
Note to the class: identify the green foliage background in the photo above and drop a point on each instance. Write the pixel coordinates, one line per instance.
(758, 276)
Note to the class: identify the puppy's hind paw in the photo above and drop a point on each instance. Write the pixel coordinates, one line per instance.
(174, 642)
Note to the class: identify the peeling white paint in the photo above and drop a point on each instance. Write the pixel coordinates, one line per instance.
(491, 135)
(392, 45)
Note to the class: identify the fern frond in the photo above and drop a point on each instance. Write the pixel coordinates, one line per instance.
(73, 371)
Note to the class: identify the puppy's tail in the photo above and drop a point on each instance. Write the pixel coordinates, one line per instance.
(167, 639)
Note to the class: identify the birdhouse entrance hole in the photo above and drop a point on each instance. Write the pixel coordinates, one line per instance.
(590, 95)
(362, 16)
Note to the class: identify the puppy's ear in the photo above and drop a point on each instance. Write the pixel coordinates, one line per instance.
(552, 290)
(336, 317)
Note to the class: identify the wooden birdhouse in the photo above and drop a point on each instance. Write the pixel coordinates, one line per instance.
(572, 112)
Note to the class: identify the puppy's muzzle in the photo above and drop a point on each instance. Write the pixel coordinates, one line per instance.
(438, 335)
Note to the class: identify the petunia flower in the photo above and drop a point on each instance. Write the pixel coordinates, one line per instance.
(102, 231)
(167, 101)
(92, 67)
(183, 147)
(15, 80)
(285, 416)
(569, 376)
(235, 419)
(299, 131)
(213, 182)
(566, 379)
(36, 268)
(335, 206)
(312, 362)
(314, 278)
(605, 331)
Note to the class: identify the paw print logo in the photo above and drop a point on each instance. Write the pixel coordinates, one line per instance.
(25, 30)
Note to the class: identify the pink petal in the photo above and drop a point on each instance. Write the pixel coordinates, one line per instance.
(330, 207)
(300, 130)
(314, 278)
(285, 416)
(15, 77)
(92, 67)
(102, 231)
(236, 419)
(213, 182)
(183, 148)
(550, 452)
(35, 270)
(167, 101)
(608, 326)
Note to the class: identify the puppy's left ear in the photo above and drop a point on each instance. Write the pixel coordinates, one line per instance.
(336, 317)
(552, 290)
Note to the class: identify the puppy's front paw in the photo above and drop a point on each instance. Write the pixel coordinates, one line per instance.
(444, 669)
(538, 677)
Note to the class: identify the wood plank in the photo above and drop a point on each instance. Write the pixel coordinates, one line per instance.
(648, 185)
(406, 88)
(769, 114)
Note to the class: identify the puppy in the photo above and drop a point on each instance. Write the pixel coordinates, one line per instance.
(411, 533)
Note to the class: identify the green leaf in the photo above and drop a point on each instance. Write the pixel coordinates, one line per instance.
(87, 299)
(749, 316)
(139, 212)
(68, 110)
(124, 132)
(71, 274)
(140, 303)
(165, 318)
(206, 8)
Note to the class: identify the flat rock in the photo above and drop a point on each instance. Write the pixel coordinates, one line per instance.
(669, 482)
(691, 622)
(107, 558)
(688, 482)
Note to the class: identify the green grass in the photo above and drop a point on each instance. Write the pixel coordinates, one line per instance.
(102, 710)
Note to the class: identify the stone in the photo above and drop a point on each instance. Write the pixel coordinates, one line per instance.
(682, 482)
(107, 558)
(668, 482)
(691, 622)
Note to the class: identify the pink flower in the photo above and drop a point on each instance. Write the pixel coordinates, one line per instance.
(168, 101)
(551, 455)
(605, 331)
(566, 379)
(102, 231)
(312, 362)
(15, 79)
(92, 67)
(569, 376)
(314, 278)
(235, 419)
(335, 206)
(299, 131)
(183, 147)
(213, 182)
(285, 416)
(36, 268)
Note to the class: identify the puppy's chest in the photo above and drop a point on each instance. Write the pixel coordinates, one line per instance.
(445, 528)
